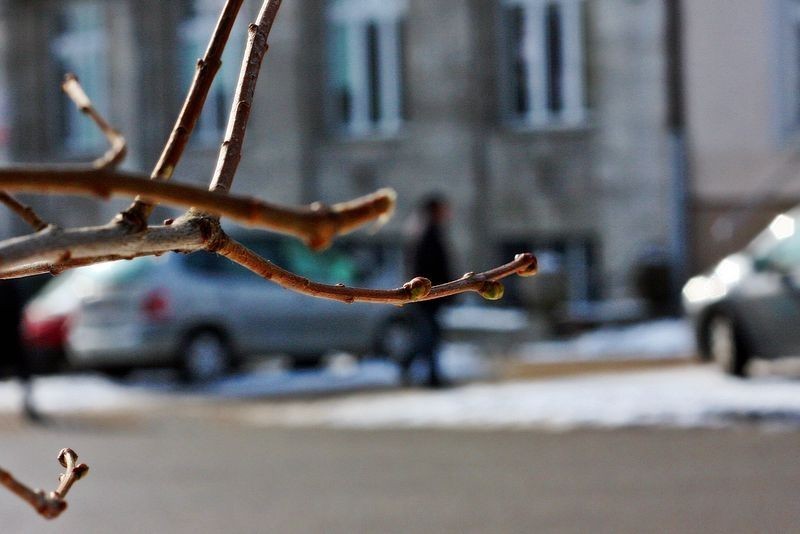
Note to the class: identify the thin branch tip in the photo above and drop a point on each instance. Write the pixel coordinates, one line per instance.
(418, 289)
(24, 212)
(118, 146)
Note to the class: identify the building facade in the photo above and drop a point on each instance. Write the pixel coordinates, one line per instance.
(743, 101)
(541, 120)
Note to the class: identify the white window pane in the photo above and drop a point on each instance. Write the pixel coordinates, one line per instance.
(544, 77)
(80, 48)
(365, 65)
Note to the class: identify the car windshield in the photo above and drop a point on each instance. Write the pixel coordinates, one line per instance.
(344, 263)
(779, 245)
(331, 266)
(116, 272)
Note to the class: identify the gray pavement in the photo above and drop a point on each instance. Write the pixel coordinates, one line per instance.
(204, 473)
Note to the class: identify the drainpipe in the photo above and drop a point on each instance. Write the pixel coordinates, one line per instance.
(678, 149)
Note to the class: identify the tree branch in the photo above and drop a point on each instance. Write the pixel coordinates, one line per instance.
(116, 153)
(231, 150)
(49, 505)
(207, 67)
(55, 249)
(316, 224)
(486, 284)
(26, 213)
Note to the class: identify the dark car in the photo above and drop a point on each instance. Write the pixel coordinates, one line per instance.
(748, 305)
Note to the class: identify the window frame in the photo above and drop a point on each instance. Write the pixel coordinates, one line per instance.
(538, 83)
(788, 75)
(376, 98)
(83, 52)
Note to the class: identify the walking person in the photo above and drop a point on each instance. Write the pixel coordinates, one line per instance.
(428, 256)
(12, 350)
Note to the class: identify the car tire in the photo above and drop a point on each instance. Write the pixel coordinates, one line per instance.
(117, 373)
(306, 362)
(726, 345)
(397, 340)
(206, 355)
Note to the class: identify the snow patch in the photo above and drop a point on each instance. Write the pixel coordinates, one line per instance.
(686, 397)
(663, 339)
(79, 393)
(484, 318)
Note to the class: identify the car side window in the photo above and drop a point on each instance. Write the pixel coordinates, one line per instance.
(784, 255)
(331, 266)
(209, 263)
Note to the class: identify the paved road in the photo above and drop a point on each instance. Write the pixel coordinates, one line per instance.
(204, 473)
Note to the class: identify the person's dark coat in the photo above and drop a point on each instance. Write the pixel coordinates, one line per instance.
(429, 258)
(10, 318)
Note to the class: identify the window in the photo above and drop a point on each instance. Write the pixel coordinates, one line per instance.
(365, 73)
(199, 20)
(789, 47)
(80, 47)
(544, 81)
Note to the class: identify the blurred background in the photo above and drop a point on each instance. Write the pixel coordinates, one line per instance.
(646, 151)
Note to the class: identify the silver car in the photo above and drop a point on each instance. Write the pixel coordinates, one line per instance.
(205, 314)
(748, 305)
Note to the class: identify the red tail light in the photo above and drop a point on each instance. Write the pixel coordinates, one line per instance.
(47, 333)
(156, 305)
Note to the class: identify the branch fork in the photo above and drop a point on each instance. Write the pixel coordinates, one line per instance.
(49, 504)
(52, 250)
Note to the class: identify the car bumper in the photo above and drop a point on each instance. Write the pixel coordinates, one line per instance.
(125, 344)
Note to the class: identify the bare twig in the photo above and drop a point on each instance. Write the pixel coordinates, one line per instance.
(52, 249)
(26, 213)
(116, 153)
(49, 505)
(136, 215)
(231, 150)
(316, 224)
(486, 283)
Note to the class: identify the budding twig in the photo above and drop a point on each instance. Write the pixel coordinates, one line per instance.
(116, 153)
(54, 250)
(316, 224)
(486, 284)
(207, 67)
(49, 505)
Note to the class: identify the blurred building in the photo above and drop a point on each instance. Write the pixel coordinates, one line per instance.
(742, 60)
(543, 120)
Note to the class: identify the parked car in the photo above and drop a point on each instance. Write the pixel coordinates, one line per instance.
(748, 305)
(205, 315)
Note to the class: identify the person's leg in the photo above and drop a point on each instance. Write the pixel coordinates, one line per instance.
(435, 378)
(25, 377)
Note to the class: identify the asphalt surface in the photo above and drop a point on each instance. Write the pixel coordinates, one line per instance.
(201, 472)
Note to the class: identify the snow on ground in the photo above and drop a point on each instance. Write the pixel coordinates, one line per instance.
(85, 393)
(483, 318)
(75, 393)
(367, 395)
(662, 339)
(691, 396)
(460, 362)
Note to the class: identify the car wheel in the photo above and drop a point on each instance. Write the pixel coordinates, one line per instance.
(726, 346)
(306, 362)
(117, 373)
(397, 340)
(205, 356)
